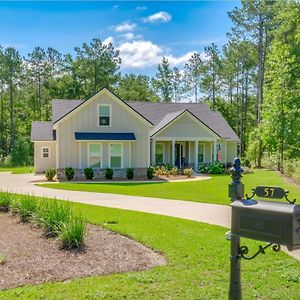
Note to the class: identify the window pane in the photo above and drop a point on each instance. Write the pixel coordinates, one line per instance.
(115, 150)
(115, 162)
(104, 110)
(158, 158)
(45, 152)
(95, 150)
(95, 162)
(104, 121)
(159, 148)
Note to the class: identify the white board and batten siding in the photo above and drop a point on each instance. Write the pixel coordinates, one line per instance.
(75, 153)
(42, 163)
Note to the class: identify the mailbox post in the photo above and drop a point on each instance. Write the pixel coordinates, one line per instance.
(276, 223)
(236, 192)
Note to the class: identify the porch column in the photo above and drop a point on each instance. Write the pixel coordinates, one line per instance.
(173, 152)
(215, 150)
(225, 152)
(196, 156)
(153, 152)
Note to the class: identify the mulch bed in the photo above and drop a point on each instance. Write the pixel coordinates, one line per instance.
(31, 258)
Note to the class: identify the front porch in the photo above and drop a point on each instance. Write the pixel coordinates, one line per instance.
(187, 153)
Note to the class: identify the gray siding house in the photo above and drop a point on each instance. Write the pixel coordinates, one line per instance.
(107, 132)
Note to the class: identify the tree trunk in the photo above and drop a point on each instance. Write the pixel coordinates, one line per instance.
(11, 108)
(2, 152)
(260, 85)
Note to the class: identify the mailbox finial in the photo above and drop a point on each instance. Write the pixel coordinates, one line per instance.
(236, 171)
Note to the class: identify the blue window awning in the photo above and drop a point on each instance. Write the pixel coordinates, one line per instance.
(104, 136)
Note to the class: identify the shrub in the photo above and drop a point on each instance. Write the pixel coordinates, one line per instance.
(130, 173)
(50, 173)
(174, 171)
(2, 259)
(27, 207)
(5, 201)
(109, 173)
(52, 215)
(150, 172)
(246, 163)
(72, 233)
(212, 168)
(188, 172)
(69, 172)
(289, 169)
(89, 173)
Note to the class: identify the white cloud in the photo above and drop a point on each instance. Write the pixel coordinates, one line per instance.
(131, 36)
(160, 17)
(144, 54)
(125, 26)
(108, 40)
(174, 61)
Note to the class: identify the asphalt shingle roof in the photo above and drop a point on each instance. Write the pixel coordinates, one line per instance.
(156, 112)
(42, 131)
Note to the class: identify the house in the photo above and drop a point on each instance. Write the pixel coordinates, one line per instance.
(107, 132)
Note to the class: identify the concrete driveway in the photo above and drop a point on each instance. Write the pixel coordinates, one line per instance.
(208, 213)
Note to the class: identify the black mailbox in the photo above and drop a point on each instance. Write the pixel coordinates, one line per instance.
(272, 222)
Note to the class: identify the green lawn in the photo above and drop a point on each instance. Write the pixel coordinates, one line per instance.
(214, 190)
(198, 265)
(18, 170)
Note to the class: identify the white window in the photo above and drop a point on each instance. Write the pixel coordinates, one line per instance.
(104, 115)
(159, 153)
(200, 153)
(115, 154)
(95, 154)
(45, 152)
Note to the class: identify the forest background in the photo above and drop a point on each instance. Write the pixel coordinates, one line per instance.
(253, 80)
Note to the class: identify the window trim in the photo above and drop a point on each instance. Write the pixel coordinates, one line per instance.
(42, 151)
(98, 115)
(163, 150)
(122, 155)
(101, 155)
(203, 144)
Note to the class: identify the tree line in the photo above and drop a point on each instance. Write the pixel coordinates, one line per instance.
(253, 80)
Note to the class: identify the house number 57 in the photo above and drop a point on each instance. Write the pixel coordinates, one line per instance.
(269, 192)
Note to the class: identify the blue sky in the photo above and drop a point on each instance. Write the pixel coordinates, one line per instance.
(143, 31)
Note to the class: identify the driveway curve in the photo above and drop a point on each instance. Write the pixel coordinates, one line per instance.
(214, 214)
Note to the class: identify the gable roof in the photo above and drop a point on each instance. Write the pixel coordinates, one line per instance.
(42, 131)
(169, 118)
(157, 111)
(103, 90)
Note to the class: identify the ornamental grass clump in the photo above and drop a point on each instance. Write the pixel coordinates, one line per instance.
(72, 234)
(27, 207)
(5, 201)
(52, 215)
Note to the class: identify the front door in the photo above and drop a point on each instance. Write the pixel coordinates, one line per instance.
(178, 155)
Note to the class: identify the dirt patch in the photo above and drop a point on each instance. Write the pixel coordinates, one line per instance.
(32, 259)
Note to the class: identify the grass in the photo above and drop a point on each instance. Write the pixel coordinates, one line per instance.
(198, 264)
(18, 170)
(57, 218)
(214, 190)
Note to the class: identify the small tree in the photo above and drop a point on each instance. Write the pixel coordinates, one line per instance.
(20, 153)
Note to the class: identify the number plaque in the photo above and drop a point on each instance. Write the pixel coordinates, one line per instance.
(272, 192)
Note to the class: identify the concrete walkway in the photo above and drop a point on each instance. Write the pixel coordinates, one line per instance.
(203, 212)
